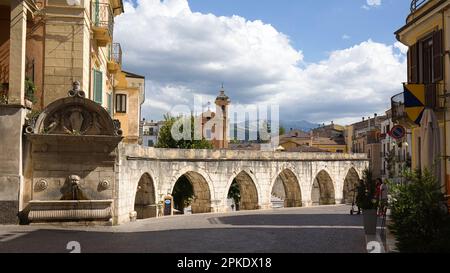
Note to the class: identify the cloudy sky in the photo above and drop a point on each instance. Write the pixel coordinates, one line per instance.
(318, 60)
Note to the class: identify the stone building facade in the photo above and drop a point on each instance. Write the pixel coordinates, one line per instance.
(45, 47)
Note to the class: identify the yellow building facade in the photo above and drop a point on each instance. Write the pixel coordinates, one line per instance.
(61, 42)
(427, 35)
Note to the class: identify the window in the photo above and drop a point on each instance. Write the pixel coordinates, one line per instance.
(98, 86)
(425, 60)
(152, 132)
(121, 103)
(150, 143)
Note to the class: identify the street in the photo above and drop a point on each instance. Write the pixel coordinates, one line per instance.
(327, 229)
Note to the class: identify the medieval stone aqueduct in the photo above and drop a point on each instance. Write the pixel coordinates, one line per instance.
(145, 175)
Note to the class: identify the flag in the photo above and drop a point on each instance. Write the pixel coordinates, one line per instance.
(414, 95)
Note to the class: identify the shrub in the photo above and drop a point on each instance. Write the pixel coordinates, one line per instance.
(366, 198)
(421, 222)
(3, 95)
(30, 89)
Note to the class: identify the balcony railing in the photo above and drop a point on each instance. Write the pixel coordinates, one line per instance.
(102, 16)
(434, 99)
(398, 107)
(116, 53)
(416, 4)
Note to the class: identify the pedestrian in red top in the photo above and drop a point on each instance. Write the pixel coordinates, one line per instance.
(378, 191)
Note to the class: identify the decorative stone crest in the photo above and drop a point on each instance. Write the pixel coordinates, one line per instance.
(76, 116)
(41, 185)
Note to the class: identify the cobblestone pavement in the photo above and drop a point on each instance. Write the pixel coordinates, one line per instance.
(328, 229)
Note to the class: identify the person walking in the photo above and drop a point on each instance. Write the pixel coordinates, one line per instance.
(384, 190)
(360, 193)
(378, 184)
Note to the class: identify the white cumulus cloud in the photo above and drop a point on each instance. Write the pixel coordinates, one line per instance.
(184, 54)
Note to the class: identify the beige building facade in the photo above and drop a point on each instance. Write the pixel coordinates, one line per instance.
(46, 46)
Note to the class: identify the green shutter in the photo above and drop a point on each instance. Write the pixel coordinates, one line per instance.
(97, 13)
(98, 86)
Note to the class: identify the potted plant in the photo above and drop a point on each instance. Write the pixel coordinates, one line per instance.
(3, 93)
(368, 202)
(30, 89)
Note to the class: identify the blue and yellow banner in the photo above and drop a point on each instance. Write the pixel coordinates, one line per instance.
(414, 95)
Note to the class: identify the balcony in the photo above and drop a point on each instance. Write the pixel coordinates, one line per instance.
(115, 58)
(398, 110)
(434, 99)
(102, 23)
(416, 4)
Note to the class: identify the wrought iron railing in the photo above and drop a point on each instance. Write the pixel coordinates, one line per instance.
(102, 16)
(116, 53)
(416, 4)
(398, 107)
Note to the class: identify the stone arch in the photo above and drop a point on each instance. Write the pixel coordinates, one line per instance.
(248, 190)
(323, 192)
(350, 183)
(287, 187)
(145, 199)
(202, 191)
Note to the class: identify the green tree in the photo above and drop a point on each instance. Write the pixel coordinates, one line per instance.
(391, 160)
(366, 199)
(166, 140)
(235, 193)
(420, 219)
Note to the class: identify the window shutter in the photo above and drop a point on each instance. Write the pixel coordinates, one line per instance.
(98, 86)
(437, 56)
(413, 67)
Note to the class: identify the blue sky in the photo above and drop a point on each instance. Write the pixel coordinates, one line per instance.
(318, 26)
(318, 60)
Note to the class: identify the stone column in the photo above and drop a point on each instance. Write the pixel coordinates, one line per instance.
(11, 122)
(12, 118)
(18, 34)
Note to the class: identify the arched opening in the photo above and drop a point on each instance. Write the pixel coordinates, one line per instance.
(323, 190)
(192, 191)
(286, 191)
(243, 192)
(145, 202)
(350, 183)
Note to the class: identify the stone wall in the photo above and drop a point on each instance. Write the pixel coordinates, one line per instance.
(11, 121)
(55, 159)
(220, 168)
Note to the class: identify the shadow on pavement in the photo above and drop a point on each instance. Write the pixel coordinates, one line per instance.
(293, 220)
(211, 240)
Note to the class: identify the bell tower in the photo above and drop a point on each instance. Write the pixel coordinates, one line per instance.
(222, 122)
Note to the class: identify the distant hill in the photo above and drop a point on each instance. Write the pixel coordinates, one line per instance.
(252, 127)
(299, 125)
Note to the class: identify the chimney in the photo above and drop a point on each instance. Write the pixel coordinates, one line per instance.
(369, 123)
